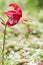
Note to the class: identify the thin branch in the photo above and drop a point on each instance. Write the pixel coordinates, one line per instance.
(2, 19)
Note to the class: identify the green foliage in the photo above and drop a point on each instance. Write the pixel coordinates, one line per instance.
(2, 5)
(41, 55)
(32, 5)
(40, 4)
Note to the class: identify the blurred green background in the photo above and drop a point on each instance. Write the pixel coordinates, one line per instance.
(29, 7)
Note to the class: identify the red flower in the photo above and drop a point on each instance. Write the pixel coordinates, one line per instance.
(14, 15)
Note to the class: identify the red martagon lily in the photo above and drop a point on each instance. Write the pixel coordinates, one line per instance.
(14, 15)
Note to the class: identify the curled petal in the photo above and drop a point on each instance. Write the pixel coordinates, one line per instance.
(14, 5)
(17, 8)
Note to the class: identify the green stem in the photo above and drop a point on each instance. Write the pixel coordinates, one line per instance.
(3, 45)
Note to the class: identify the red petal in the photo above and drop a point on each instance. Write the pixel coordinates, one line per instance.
(11, 22)
(17, 8)
(19, 11)
(14, 5)
(10, 13)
